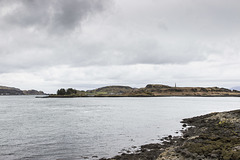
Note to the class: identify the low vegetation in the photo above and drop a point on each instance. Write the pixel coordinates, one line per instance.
(69, 91)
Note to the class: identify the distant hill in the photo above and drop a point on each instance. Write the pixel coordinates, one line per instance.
(10, 91)
(16, 91)
(153, 90)
(33, 92)
(111, 90)
(163, 90)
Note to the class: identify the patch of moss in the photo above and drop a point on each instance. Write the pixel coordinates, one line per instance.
(223, 146)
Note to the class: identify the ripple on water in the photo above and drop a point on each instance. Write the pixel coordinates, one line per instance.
(79, 128)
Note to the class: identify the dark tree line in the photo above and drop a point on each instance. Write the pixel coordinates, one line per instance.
(69, 91)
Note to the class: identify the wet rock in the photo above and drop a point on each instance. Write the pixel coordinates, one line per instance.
(134, 147)
(214, 155)
(237, 148)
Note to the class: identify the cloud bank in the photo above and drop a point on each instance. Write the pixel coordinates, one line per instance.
(53, 15)
(119, 42)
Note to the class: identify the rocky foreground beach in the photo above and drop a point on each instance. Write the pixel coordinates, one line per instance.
(215, 136)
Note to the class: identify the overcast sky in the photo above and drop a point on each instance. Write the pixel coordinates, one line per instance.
(84, 44)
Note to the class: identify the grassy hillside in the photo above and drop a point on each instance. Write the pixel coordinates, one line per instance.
(111, 90)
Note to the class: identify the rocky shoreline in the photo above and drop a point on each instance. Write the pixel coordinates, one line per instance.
(214, 136)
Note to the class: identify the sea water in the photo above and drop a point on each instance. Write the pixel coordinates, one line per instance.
(92, 128)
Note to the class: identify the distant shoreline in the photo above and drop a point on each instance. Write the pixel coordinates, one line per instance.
(56, 96)
(151, 90)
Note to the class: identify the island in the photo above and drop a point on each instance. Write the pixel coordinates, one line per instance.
(151, 90)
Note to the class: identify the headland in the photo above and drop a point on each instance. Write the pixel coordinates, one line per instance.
(151, 90)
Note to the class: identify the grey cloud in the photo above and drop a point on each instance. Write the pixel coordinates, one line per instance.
(148, 32)
(53, 15)
(185, 40)
(162, 26)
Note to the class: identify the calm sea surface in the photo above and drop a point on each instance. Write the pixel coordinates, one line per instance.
(83, 128)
